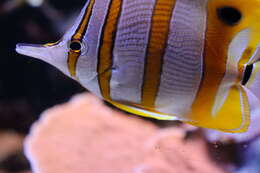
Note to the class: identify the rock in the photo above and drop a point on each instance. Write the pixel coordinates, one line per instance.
(86, 136)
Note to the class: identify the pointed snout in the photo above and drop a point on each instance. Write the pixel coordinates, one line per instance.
(55, 55)
(33, 50)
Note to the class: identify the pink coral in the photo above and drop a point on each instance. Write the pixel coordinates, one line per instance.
(86, 136)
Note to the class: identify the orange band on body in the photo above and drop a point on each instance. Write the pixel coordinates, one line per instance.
(106, 47)
(160, 28)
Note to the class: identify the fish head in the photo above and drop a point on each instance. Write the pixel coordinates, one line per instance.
(236, 22)
(65, 53)
(233, 30)
(230, 91)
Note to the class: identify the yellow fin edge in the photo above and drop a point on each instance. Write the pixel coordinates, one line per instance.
(143, 113)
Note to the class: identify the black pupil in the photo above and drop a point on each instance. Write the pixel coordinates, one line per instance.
(75, 46)
(229, 15)
(247, 74)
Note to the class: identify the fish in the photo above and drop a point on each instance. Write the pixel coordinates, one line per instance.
(195, 61)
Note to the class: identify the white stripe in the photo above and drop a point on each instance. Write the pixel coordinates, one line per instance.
(235, 53)
(129, 51)
(182, 68)
(87, 63)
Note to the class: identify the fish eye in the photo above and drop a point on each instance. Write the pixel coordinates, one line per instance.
(247, 74)
(75, 45)
(229, 15)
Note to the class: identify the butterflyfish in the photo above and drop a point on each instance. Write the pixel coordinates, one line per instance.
(197, 61)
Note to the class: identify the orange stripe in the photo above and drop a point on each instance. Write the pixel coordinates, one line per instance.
(52, 44)
(72, 61)
(215, 59)
(218, 38)
(81, 30)
(78, 36)
(156, 48)
(106, 47)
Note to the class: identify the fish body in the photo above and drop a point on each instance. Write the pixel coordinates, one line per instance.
(191, 60)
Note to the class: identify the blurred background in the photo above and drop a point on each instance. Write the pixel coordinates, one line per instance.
(29, 86)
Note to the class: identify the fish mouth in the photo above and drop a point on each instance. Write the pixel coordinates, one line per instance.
(247, 73)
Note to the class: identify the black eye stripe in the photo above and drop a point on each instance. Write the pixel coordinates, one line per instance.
(247, 74)
(229, 15)
(75, 46)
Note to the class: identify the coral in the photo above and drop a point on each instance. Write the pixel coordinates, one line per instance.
(86, 136)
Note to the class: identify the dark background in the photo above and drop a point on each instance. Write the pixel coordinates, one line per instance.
(29, 86)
